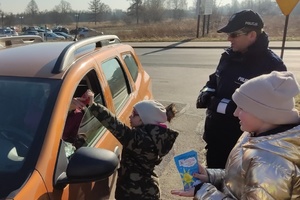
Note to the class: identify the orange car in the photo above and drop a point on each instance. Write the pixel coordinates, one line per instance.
(38, 81)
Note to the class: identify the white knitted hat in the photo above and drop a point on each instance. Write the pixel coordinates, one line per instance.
(151, 112)
(270, 97)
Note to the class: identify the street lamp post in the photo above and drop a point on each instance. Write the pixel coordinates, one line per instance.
(21, 18)
(77, 15)
(2, 18)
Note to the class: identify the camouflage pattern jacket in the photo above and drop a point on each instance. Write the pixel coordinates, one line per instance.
(143, 149)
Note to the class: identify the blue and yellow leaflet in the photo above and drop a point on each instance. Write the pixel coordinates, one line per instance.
(187, 164)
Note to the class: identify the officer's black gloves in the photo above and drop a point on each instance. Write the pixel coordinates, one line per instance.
(204, 97)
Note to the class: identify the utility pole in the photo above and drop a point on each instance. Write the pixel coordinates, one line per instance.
(207, 12)
(198, 11)
(77, 15)
(2, 18)
(21, 18)
(286, 8)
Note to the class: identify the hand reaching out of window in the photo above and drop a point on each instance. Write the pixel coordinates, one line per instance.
(81, 102)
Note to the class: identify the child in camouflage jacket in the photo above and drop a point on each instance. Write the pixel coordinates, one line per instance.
(145, 143)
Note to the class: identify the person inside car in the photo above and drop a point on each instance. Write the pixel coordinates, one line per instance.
(75, 115)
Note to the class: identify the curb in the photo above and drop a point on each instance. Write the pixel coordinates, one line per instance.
(202, 47)
(293, 45)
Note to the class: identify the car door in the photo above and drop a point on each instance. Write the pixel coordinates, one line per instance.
(96, 136)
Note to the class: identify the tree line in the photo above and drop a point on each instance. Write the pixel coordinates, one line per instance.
(139, 11)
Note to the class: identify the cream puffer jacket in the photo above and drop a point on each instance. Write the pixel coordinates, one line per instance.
(265, 167)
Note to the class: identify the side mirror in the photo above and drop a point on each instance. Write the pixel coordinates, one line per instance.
(88, 164)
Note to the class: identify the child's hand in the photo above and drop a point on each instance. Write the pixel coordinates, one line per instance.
(87, 98)
(188, 193)
(202, 175)
(77, 104)
(90, 95)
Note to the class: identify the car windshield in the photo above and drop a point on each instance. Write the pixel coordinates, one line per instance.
(26, 106)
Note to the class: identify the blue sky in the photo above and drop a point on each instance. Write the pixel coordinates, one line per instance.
(18, 6)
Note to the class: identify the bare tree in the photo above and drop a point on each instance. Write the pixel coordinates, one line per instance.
(177, 4)
(154, 10)
(94, 7)
(135, 9)
(178, 7)
(261, 6)
(32, 10)
(62, 9)
(235, 6)
(98, 8)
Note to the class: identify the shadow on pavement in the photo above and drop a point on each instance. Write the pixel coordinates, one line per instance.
(169, 46)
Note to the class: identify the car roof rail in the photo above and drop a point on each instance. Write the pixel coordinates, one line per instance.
(19, 40)
(68, 55)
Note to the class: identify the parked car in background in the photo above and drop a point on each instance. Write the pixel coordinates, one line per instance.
(75, 31)
(61, 29)
(30, 28)
(52, 36)
(38, 29)
(43, 29)
(84, 33)
(7, 32)
(65, 35)
(29, 32)
(38, 81)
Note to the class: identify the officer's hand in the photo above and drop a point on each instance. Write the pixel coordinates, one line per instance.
(204, 97)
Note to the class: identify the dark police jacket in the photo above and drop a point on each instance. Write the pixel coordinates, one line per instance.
(233, 70)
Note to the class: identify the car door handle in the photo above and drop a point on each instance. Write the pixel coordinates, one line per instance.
(117, 151)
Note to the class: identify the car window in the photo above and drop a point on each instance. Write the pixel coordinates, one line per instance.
(89, 124)
(117, 81)
(26, 105)
(22, 105)
(81, 127)
(131, 65)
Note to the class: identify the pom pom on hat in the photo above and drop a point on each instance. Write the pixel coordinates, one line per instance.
(270, 97)
(151, 112)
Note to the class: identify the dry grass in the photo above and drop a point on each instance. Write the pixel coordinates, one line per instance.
(187, 29)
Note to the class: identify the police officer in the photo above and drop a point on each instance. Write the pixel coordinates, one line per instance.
(249, 56)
